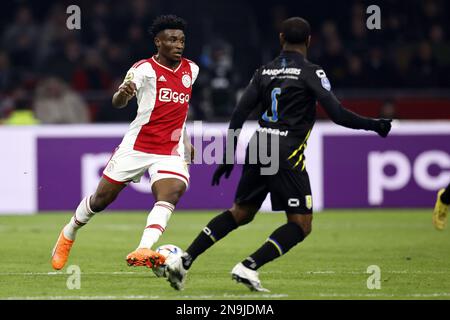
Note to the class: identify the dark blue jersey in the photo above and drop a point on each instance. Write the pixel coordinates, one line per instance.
(285, 92)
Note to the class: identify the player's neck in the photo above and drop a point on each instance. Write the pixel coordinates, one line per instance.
(172, 64)
(295, 48)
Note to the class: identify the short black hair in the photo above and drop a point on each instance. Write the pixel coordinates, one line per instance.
(296, 30)
(167, 22)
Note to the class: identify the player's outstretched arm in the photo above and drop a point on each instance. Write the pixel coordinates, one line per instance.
(125, 92)
(344, 117)
(318, 82)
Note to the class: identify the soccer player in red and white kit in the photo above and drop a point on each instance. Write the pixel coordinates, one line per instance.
(155, 141)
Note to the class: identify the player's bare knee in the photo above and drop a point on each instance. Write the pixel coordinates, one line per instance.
(243, 214)
(172, 196)
(307, 229)
(169, 190)
(243, 218)
(303, 221)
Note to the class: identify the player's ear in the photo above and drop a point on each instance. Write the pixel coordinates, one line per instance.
(157, 42)
(308, 41)
(282, 41)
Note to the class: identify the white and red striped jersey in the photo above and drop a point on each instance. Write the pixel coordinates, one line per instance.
(163, 98)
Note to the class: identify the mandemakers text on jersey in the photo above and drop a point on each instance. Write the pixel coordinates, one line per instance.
(275, 72)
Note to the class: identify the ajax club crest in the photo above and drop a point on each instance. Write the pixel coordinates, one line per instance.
(186, 80)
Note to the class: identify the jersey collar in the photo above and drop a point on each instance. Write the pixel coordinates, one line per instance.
(171, 70)
(286, 53)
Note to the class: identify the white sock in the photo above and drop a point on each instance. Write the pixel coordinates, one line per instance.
(82, 216)
(156, 223)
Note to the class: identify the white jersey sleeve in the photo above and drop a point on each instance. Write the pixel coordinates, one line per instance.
(195, 70)
(138, 73)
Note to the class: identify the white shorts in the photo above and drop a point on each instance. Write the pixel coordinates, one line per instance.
(128, 165)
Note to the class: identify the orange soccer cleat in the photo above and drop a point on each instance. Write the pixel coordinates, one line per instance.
(61, 251)
(145, 257)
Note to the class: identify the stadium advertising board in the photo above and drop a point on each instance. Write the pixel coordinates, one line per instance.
(404, 170)
(70, 168)
(52, 167)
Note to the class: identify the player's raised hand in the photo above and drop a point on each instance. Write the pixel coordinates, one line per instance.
(224, 168)
(127, 89)
(383, 126)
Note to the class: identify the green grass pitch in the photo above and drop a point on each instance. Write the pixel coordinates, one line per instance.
(331, 263)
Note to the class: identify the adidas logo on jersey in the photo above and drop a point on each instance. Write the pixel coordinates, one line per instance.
(162, 79)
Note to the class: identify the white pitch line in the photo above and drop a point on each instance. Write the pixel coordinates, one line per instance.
(242, 296)
(281, 295)
(374, 295)
(363, 272)
(81, 297)
(233, 296)
(56, 273)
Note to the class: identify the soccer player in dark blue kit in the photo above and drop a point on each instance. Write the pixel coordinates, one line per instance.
(284, 92)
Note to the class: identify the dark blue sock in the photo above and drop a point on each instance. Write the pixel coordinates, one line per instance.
(215, 230)
(279, 242)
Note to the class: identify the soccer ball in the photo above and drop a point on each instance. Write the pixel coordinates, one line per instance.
(171, 253)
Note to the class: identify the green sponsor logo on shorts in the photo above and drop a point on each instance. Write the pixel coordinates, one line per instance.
(308, 201)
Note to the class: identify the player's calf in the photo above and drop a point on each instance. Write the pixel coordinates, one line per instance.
(105, 194)
(100, 201)
(279, 242)
(218, 228)
(243, 214)
(215, 230)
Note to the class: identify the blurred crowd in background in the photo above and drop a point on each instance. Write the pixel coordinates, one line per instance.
(69, 76)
